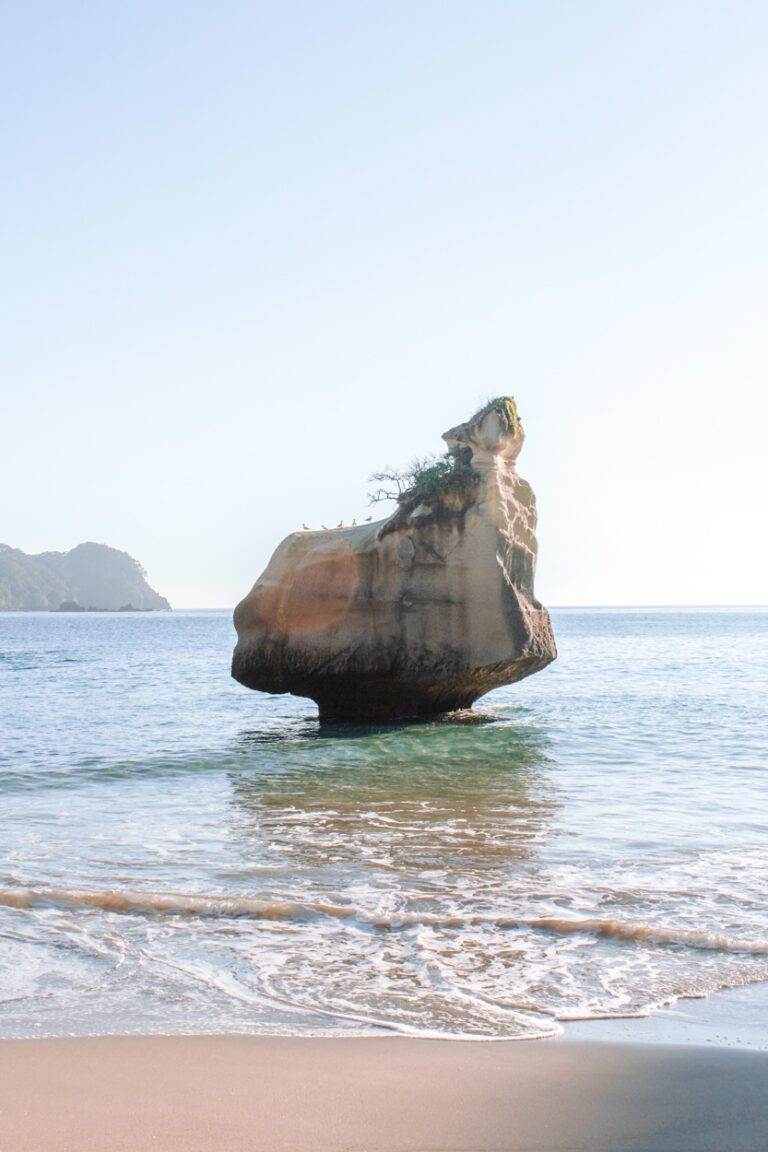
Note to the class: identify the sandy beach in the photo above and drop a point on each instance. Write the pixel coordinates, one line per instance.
(210, 1094)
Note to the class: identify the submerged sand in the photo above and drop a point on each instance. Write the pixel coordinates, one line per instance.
(282, 1094)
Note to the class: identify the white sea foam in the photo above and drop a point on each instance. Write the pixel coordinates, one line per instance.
(177, 904)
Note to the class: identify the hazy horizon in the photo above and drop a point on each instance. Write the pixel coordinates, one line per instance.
(253, 259)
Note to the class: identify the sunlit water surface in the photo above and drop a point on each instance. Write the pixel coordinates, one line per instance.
(178, 854)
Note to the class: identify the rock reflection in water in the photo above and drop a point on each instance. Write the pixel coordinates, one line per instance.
(451, 798)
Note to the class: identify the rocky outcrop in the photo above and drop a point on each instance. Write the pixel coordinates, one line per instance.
(418, 614)
(88, 576)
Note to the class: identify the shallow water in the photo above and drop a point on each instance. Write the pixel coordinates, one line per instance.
(178, 854)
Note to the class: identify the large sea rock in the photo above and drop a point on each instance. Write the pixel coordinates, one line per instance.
(415, 615)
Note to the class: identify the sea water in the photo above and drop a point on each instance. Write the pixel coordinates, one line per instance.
(179, 854)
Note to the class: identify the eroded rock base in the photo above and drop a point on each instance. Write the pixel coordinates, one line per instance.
(360, 699)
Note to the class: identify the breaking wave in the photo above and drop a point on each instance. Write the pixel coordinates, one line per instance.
(174, 904)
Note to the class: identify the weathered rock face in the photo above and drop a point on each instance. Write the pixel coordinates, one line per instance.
(415, 615)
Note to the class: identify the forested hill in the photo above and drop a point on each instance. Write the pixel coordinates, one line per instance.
(88, 576)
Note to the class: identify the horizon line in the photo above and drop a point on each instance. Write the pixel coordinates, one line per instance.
(228, 608)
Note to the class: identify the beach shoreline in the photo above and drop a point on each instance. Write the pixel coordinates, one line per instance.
(729, 1018)
(380, 1094)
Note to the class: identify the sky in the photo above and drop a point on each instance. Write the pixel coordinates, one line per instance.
(254, 252)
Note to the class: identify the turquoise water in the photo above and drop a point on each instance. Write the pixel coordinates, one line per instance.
(178, 854)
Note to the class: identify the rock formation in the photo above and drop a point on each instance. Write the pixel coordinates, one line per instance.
(88, 576)
(415, 615)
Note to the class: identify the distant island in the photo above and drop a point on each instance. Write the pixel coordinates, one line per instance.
(88, 578)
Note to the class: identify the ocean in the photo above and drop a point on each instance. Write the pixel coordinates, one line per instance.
(181, 855)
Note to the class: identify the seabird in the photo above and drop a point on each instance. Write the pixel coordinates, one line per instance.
(304, 526)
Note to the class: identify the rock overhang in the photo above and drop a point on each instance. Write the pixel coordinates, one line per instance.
(418, 614)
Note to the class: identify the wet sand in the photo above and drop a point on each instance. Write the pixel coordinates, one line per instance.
(226, 1094)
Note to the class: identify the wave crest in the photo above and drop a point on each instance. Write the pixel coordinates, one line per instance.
(175, 904)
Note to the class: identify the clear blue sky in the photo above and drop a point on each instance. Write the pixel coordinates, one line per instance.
(253, 252)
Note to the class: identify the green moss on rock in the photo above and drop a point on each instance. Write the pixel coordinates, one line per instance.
(506, 408)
